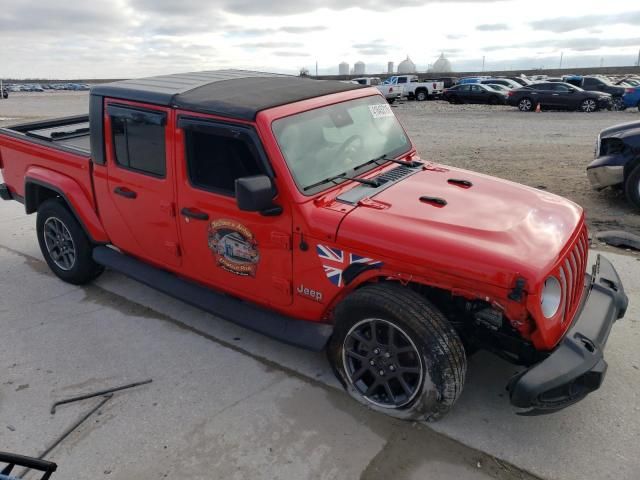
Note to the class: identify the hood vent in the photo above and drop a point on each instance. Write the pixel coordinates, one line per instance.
(386, 179)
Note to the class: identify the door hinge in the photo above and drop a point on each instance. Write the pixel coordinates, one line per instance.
(282, 285)
(174, 248)
(281, 240)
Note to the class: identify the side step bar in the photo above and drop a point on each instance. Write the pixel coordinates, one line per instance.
(308, 335)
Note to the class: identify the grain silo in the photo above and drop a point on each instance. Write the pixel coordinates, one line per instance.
(390, 67)
(407, 66)
(359, 68)
(442, 65)
(343, 68)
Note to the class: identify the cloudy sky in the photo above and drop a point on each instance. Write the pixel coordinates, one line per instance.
(128, 38)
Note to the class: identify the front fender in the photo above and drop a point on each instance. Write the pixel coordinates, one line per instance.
(73, 195)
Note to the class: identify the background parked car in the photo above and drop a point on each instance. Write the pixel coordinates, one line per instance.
(475, 93)
(557, 95)
(617, 160)
(598, 84)
(507, 82)
(5, 93)
(501, 88)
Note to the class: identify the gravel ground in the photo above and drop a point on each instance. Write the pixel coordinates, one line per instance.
(547, 150)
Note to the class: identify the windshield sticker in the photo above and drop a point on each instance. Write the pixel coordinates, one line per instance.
(234, 247)
(381, 110)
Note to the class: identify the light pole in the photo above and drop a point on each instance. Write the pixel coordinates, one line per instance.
(483, 63)
(561, 55)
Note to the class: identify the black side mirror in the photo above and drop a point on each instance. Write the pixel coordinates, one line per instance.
(255, 194)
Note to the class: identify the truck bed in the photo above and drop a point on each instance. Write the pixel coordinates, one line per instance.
(46, 151)
(69, 133)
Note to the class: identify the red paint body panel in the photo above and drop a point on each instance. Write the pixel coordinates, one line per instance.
(476, 246)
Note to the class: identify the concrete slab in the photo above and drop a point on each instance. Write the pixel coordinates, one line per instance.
(224, 403)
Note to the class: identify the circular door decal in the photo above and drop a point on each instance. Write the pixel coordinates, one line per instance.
(234, 247)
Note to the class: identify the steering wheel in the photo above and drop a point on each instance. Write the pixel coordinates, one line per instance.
(349, 148)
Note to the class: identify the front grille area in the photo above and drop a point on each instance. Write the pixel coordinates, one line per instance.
(572, 270)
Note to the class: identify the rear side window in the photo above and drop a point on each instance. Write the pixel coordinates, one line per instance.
(215, 161)
(139, 140)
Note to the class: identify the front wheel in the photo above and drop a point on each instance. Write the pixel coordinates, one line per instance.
(64, 244)
(395, 352)
(391, 100)
(589, 105)
(632, 187)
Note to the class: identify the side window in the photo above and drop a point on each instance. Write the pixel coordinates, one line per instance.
(138, 140)
(402, 80)
(216, 160)
(465, 88)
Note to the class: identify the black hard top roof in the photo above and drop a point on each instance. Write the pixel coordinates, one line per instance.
(237, 94)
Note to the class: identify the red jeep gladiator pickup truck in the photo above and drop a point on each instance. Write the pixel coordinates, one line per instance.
(300, 209)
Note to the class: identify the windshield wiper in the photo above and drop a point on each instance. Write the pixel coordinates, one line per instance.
(383, 158)
(364, 181)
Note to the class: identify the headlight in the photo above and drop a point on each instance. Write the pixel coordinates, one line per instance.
(551, 297)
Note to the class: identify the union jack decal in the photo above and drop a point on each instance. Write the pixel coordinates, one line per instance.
(336, 261)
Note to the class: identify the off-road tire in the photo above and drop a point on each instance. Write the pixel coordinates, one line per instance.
(632, 187)
(526, 105)
(83, 269)
(421, 95)
(436, 344)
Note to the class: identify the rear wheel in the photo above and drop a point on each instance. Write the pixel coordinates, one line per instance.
(632, 187)
(618, 104)
(421, 95)
(64, 244)
(589, 105)
(525, 104)
(395, 352)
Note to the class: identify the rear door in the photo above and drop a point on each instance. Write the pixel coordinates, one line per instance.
(244, 253)
(562, 97)
(477, 94)
(140, 216)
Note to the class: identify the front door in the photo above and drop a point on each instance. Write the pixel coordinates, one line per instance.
(140, 215)
(243, 253)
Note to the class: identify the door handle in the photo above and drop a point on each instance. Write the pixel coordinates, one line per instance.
(125, 192)
(195, 214)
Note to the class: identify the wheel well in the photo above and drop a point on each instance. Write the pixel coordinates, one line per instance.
(35, 195)
(478, 323)
(630, 167)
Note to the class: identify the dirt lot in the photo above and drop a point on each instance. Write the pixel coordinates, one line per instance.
(548, 150)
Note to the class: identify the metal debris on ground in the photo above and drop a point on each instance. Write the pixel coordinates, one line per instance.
(97, 394)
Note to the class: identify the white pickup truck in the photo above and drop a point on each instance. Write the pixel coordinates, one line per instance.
(390, 92)
(416, 89)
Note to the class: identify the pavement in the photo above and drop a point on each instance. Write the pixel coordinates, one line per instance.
(228, 403)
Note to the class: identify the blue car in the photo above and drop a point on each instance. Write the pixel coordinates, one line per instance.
(631, 95)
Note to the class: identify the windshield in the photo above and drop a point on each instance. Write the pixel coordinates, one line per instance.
(339, 139)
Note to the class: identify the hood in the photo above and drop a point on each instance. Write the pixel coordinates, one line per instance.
(498, 230)
(621, 130)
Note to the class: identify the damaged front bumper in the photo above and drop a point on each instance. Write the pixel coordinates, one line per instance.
(577, 366)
